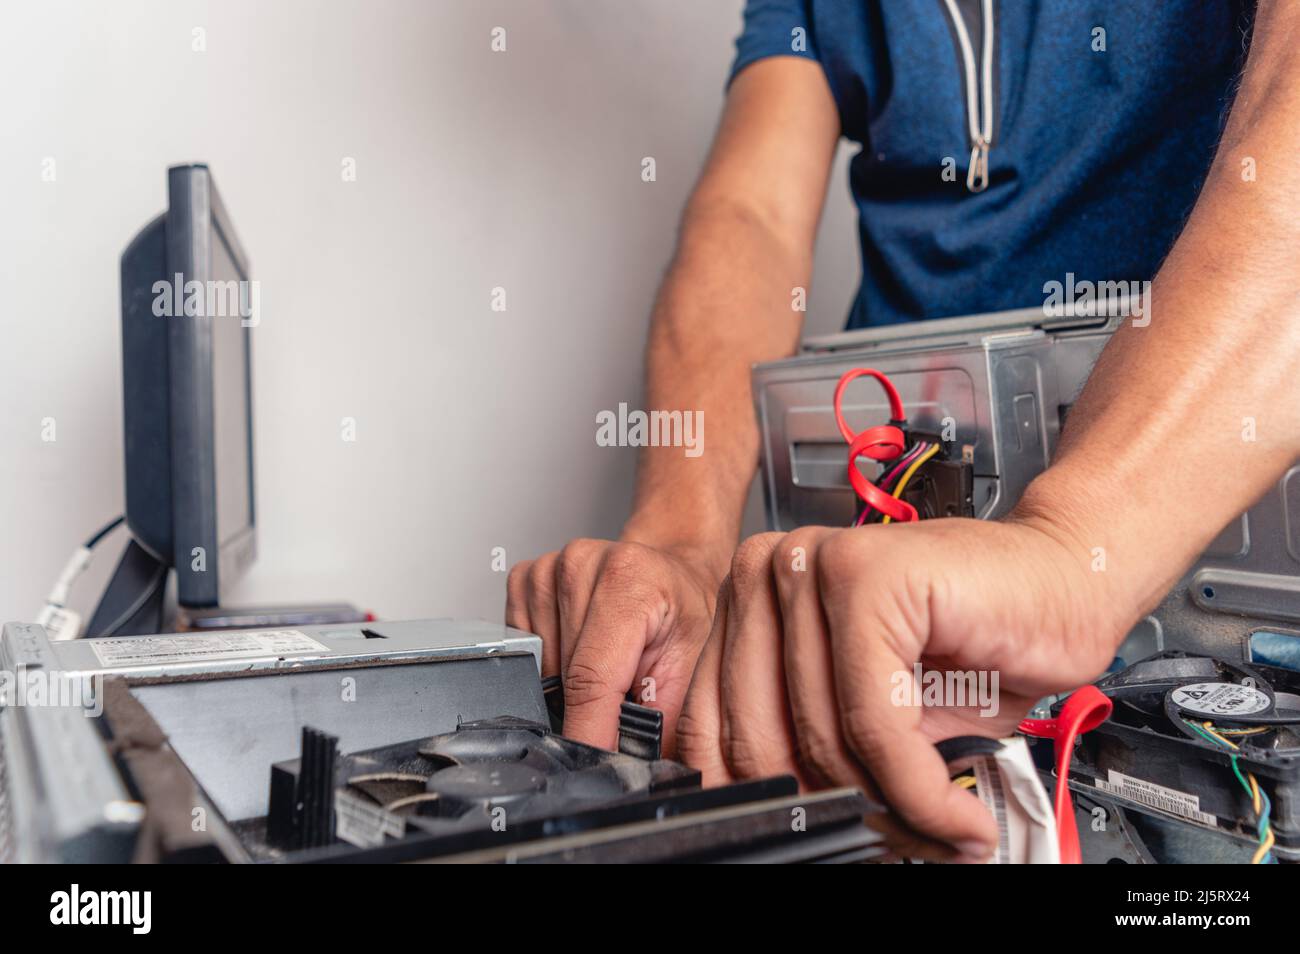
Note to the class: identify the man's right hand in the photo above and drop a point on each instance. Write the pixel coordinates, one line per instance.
(614, 617)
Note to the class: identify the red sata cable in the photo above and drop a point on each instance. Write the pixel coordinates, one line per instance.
(882, 443)
(1083, 711)
(899, 466)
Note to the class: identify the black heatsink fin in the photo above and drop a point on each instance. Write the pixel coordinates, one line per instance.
(315, 797)
(640, 731)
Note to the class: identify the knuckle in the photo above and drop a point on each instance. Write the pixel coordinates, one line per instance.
(517, 586)
(858, 733)
(582, 551)
(692, 736)
(819, 754)
(633, 577)
(753, 556)
(625, 564)
(837, 560)
(541, 576)
(744, 755)
(518, 574)
(861, 733)
(725, 588)
(790, 556)
(572, 564)
(587, 680)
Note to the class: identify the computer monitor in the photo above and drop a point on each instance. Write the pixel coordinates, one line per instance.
(188, 307)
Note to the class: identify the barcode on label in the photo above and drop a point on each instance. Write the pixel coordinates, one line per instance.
(988, 786)
(362, 824)
(1167, 800)
(202, 647)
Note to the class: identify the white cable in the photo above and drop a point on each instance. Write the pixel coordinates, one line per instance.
(78, 562)
(59, 621)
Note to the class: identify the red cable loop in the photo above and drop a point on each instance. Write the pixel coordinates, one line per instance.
(884, 442)
(1083, 711)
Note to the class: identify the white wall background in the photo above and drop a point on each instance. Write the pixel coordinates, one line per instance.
(475, 169)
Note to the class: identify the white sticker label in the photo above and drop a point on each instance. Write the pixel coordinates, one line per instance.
(202, 647)
(1220, 699)
(362, 824)
(1167, 800)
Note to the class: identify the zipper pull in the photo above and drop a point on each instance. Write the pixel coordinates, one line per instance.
(977, 173)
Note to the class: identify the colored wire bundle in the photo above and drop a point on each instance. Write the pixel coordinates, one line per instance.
(926, 452)
(1259, 800)
(885, 444)
(908, 466)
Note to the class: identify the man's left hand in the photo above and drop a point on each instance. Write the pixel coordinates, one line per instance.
(815, 640)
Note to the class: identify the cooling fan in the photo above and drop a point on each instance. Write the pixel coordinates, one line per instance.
(485, 775)
(1183, 690)
(1204, 740)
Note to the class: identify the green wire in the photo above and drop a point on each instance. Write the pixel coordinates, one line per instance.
(1236, 770)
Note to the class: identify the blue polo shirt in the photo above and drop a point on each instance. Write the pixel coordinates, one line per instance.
(1096, 121)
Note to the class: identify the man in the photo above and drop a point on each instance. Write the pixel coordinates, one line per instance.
(1084, 137)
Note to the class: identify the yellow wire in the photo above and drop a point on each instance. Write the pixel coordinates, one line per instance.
(1264, 846)
(1262, 850)
(964, 781)
(1256, 803)
(907, 474)
(1209, 727)
(1254, 792)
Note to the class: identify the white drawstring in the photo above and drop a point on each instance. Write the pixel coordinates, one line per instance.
(979, 92)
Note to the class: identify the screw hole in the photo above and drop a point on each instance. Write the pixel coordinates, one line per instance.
(1208, 592)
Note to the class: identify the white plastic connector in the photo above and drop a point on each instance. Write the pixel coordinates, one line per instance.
(59, 621)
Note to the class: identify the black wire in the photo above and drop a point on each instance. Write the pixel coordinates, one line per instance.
(159, 580)
(103, 531)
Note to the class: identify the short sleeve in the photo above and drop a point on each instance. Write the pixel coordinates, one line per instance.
(773, 28)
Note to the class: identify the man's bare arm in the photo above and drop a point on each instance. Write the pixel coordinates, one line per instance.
(746, 243)
(633, 614)
(1185, 422)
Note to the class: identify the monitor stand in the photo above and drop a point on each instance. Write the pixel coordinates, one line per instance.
(132, 604)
